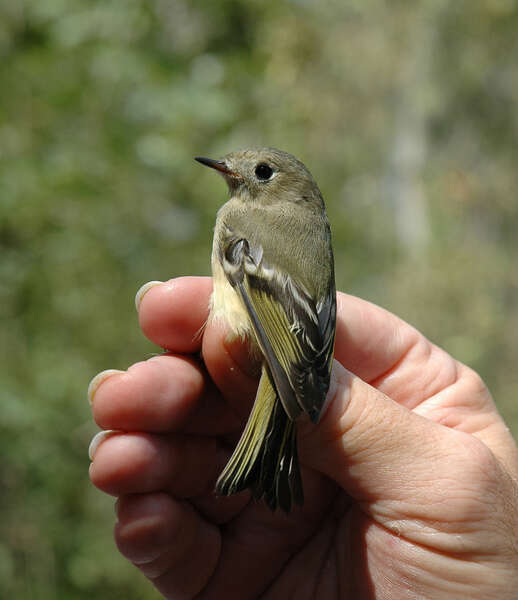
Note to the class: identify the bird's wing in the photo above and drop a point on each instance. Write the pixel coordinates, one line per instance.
(295, 334)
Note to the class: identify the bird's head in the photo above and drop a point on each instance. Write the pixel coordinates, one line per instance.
(266, 175)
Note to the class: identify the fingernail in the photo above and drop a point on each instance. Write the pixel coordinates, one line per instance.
(143, 291)
(93, 386)
(98, 439)
(339, 379)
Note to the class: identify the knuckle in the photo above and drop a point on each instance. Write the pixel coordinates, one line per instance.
(476, 475)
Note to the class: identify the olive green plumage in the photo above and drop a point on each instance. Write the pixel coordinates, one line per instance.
(272, 264)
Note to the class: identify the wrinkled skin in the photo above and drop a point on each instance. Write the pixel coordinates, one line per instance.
(410, 476)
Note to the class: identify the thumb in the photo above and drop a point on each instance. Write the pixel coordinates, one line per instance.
(377, 449)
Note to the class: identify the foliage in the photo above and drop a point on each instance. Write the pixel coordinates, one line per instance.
(404, 112)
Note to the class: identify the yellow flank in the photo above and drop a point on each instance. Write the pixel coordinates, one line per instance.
(226, 304)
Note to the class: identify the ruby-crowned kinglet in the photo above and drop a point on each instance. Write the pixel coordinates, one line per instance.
(272, 266)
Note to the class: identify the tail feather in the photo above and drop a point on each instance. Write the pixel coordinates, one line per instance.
(265, 459)
(280, 480)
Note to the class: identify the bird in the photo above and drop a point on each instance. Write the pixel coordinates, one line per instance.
(274, 286)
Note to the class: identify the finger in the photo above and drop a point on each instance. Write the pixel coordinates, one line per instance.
(233, 371)
(185, 466)
(467, 405)
(390, 354)
(395, 463)
(135, 463)
(370, 341)
(163, 538)
(173, 314)
(164, 393)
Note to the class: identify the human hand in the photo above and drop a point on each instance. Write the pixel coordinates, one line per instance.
(409, 477)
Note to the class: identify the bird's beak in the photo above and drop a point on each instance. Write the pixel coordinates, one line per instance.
(219, 165)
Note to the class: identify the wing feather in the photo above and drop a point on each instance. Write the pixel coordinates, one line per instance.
(295, 335)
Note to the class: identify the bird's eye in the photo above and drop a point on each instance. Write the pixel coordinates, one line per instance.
(263, 171)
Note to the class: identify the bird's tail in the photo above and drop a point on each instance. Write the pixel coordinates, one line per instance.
(265, 459)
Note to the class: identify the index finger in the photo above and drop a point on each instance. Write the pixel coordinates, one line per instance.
(173, 314)
(369, 340)
(390, 354)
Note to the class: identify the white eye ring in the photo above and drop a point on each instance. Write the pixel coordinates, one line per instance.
(264, 172)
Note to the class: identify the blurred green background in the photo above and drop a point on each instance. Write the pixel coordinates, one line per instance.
(405, 112)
